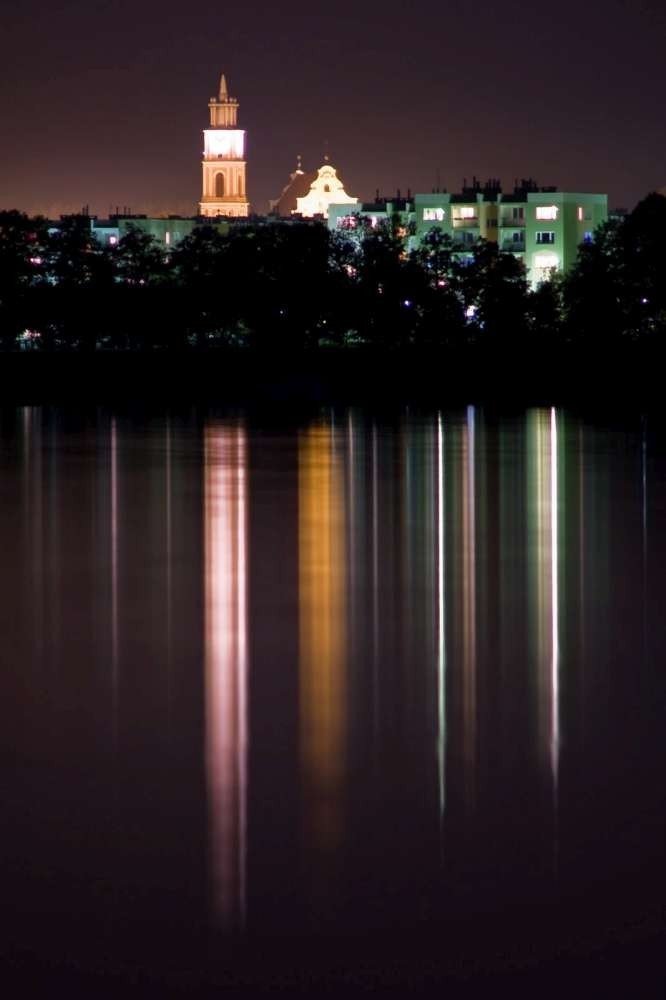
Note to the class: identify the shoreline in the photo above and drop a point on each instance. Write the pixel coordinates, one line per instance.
(627, 379)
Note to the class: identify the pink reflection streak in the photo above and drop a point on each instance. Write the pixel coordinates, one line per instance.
(469, 604)
(225, 502)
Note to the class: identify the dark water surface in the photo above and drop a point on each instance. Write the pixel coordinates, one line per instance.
(378, 701)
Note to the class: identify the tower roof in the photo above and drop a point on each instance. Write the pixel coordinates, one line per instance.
(224, 93)
(297, 186)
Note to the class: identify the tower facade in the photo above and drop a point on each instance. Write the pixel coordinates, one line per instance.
(223, 189)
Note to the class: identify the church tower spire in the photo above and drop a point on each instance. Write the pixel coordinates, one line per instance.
(223, 188)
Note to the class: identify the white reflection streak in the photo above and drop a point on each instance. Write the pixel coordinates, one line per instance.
(469, 597)
(226, 665)
(441, 624)
(555, 642)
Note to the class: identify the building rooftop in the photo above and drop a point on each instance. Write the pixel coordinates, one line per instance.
(298, 185)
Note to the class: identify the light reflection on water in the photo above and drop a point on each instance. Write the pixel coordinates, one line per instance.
(399, 653)
(322, 633)
(226, 664)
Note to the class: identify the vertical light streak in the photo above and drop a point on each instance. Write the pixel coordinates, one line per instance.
(375, 587)
(546, 548)
(441, 622)
(554, 584)
(27, 492)
(644, 517)
(322, 635)
(169, 568)
(114, 573)
(644, 486)
(33, 519)
(469, 602)
(226, 665)
(351, 505)
(544, 576)
(581, 548)
(242, 699)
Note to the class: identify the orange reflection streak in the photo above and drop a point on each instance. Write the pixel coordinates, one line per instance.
(226, 664)
(469, 602)
(322, 633)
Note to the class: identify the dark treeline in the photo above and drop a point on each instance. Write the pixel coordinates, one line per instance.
(286, 286)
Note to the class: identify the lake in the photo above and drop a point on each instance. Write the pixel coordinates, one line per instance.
(366, 698)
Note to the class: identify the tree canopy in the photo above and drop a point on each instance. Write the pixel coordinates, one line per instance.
(274, 286)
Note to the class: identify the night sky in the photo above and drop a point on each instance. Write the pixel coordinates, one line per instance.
(103, 102)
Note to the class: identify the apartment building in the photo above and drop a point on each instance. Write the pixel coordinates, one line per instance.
(543, 227)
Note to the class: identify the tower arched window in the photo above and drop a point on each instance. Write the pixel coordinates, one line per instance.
(327, 187)
(219, 185)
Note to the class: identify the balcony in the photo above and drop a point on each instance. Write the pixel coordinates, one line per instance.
(513, 246)
(465, 241)
(471, 223)
(506, 222)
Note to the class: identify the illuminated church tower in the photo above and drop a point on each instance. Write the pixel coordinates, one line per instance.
(224, 159)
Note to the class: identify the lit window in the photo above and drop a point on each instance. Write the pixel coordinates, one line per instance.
(467, 212)
(587, 237)
(433, 214)
(545, 237)
(546, 212)
(546, 261)
(580, 213)
(544, 265)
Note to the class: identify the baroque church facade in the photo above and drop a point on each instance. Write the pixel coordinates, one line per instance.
(310, 193)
